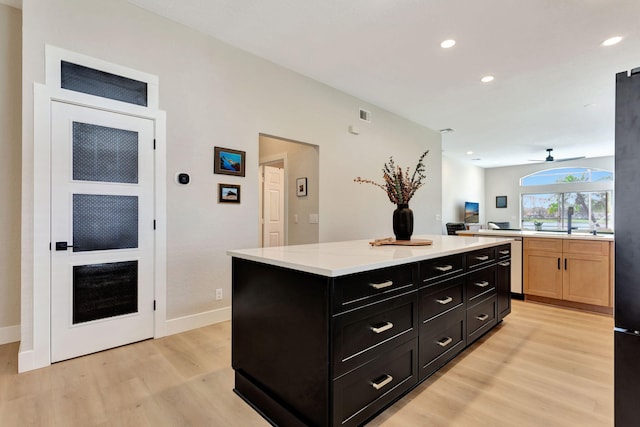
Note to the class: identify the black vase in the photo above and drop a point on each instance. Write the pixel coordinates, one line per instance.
(403, 222)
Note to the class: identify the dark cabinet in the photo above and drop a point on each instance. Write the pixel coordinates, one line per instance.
(320, 351)
(503, 284)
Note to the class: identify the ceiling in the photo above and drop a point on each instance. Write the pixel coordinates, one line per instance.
(554, 81)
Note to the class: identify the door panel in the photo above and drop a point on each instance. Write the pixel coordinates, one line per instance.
(273, 206)
(102, 230)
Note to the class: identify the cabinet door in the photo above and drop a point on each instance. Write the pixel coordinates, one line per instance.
(543, 274)
(586, 279)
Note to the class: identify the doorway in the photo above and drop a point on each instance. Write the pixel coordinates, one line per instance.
(299, 211)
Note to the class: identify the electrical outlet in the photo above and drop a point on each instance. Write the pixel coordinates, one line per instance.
(218, 294)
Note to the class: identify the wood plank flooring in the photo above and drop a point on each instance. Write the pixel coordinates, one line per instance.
(543, 366)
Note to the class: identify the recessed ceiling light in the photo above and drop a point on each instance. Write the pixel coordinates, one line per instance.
(487, 79)
(469, 153)
(447, 44)
(611, 41)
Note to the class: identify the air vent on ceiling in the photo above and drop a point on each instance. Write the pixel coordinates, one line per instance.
(365, 115)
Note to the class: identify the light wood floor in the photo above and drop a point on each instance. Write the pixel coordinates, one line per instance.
(543, 366)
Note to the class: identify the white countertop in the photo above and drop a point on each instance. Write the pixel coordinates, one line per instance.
(543, 234)
(341, 258)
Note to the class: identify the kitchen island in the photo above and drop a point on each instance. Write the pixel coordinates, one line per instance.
(331, 334)
(572, 270)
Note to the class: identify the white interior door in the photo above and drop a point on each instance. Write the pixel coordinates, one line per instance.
(273, 207)
(102, 191)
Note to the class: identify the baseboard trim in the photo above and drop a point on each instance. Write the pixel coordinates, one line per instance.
(25, 360)
(9, 334)
(194, 321)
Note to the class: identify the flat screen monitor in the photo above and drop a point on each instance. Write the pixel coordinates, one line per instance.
(471, 212)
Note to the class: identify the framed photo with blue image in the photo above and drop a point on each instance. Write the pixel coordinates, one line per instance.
(228, 162)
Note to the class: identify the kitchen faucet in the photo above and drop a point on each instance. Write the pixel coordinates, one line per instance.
(569, 215)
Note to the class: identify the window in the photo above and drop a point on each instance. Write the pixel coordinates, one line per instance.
(554, 191)
(566, 175)
(591, 210)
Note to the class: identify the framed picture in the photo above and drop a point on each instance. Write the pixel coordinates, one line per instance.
(301, 187)
(228, 193)
(228, 162)
(501, 201)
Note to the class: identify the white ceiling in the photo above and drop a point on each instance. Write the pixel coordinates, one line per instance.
(554, 82)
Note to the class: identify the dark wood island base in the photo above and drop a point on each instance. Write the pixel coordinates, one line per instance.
(316, 350)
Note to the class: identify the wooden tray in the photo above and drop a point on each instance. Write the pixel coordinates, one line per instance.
(392, 241)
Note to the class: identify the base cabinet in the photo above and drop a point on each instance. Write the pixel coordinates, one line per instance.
(318, 351)
(569, 270)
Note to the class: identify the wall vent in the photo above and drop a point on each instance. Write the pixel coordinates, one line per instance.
(365, 115)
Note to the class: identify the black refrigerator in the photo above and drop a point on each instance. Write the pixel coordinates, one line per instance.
(627, 250)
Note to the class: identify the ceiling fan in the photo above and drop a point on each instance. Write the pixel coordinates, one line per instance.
(550, 158)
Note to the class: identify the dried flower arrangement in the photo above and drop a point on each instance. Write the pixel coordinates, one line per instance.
(399, 188)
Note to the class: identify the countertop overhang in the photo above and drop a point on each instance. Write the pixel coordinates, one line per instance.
(542, 234)
(334, 259)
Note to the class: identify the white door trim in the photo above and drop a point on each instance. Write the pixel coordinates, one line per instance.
(40, 354)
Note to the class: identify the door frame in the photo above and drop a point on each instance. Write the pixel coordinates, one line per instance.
(40, 353)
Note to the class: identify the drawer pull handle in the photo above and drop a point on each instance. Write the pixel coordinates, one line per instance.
(378, 385)
(447, 300)
(385, 327)
(445, 341)
(482, 317)
(444, 267)
(504, 252)
(482, 284)
(381, 285)
(482, 257)
(504, 264)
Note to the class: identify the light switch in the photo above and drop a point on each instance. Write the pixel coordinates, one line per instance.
(313, 218)
(295, 218)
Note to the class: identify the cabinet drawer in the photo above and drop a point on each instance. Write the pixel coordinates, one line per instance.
(440, 340)
(480, 283)
(538, 244)
(503, 251)
(477, 259)
(585, 247)
(438, 269)
(359, 335)
(364, 288)
(481, 318)
(441, 297)
(362, 393)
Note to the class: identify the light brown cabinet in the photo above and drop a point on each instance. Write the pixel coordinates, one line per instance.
(569, 270)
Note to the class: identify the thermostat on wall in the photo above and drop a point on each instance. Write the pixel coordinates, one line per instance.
(182, 178)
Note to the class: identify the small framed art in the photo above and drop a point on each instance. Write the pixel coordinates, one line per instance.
(501, 201)
(301, 187)
(228, 162)
(228, 193)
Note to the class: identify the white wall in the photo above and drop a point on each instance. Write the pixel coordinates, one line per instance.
(216, 95)
(461, 182)
(505, 181)
(10, 124)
